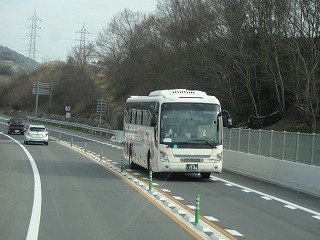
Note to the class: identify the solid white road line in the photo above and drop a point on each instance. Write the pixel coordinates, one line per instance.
(34, 224)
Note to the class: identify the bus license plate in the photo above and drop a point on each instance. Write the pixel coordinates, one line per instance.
(192, 167)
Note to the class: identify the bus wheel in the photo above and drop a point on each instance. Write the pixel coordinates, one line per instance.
(205, 175)
(131, 163)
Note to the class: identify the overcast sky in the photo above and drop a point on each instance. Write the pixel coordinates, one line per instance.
(60, 21)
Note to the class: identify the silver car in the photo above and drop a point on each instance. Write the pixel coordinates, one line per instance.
(36, 134)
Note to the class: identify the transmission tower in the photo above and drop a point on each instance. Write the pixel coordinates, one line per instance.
(32, 44)
(82, 50)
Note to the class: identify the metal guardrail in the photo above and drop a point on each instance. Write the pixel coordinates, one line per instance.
(116, 135)
(297, 147)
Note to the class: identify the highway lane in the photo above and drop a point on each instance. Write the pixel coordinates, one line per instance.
(247, 208)
(253, 210)
(16, 191)
(80, 199)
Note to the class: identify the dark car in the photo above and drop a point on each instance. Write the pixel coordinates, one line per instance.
(15, 125)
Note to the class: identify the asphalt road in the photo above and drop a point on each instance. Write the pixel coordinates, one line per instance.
(80, 199)
(83, 200)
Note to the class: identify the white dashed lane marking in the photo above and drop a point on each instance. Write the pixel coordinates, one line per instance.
(290, 207)
(316, 217)
(266, 198)
(234, 233)
(178, 198)
(245, 190)
(212, 219)
(165, 190)
(287, 204)
(229, 184)
(191, 207)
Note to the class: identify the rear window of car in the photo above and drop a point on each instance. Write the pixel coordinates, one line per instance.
(16, 121)
(37, 129)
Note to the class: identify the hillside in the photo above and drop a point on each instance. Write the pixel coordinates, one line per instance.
(291, 122)
(16, 61)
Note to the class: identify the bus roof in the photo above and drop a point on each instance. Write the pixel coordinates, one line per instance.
(178, 92)
(179, 95)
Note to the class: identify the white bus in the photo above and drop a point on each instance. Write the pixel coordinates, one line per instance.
(175, 130)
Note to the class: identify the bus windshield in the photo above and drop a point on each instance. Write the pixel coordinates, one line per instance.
(186, 125)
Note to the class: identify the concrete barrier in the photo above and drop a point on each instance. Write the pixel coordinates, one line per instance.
(293, 175)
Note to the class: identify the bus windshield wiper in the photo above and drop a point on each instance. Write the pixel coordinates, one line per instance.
(203, 140)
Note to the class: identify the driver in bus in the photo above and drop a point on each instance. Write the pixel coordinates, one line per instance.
(171, 132)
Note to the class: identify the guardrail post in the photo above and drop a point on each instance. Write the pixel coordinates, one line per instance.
(283, 144)
(239, 136)
(249, 139)
(197, 210)
(297, 147)
(259, 141)
(59, 137)
(85, 147)
(312, 150)
(230, 136)
(271, 141)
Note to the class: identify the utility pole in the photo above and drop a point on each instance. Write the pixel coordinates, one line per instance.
(32, 44)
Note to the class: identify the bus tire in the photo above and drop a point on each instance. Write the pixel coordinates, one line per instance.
(131, 163)
(205, 175)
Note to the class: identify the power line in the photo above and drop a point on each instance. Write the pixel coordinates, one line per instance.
(33, 36)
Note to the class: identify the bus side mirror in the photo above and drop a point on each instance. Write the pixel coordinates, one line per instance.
(153, 121)
(227, 120)
(229, 123)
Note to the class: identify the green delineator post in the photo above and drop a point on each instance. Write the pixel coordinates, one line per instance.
(122, 164)
(197, 210)
(150, 180)
(101, 153)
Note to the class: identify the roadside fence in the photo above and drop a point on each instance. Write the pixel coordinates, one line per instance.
(297, 147)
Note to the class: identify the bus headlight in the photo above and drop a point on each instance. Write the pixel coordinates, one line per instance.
(163, 157)
(219, 157)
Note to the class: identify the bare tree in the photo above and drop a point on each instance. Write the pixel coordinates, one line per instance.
(120, 47)
(305, 29)
(80, 56)
(262, 53)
